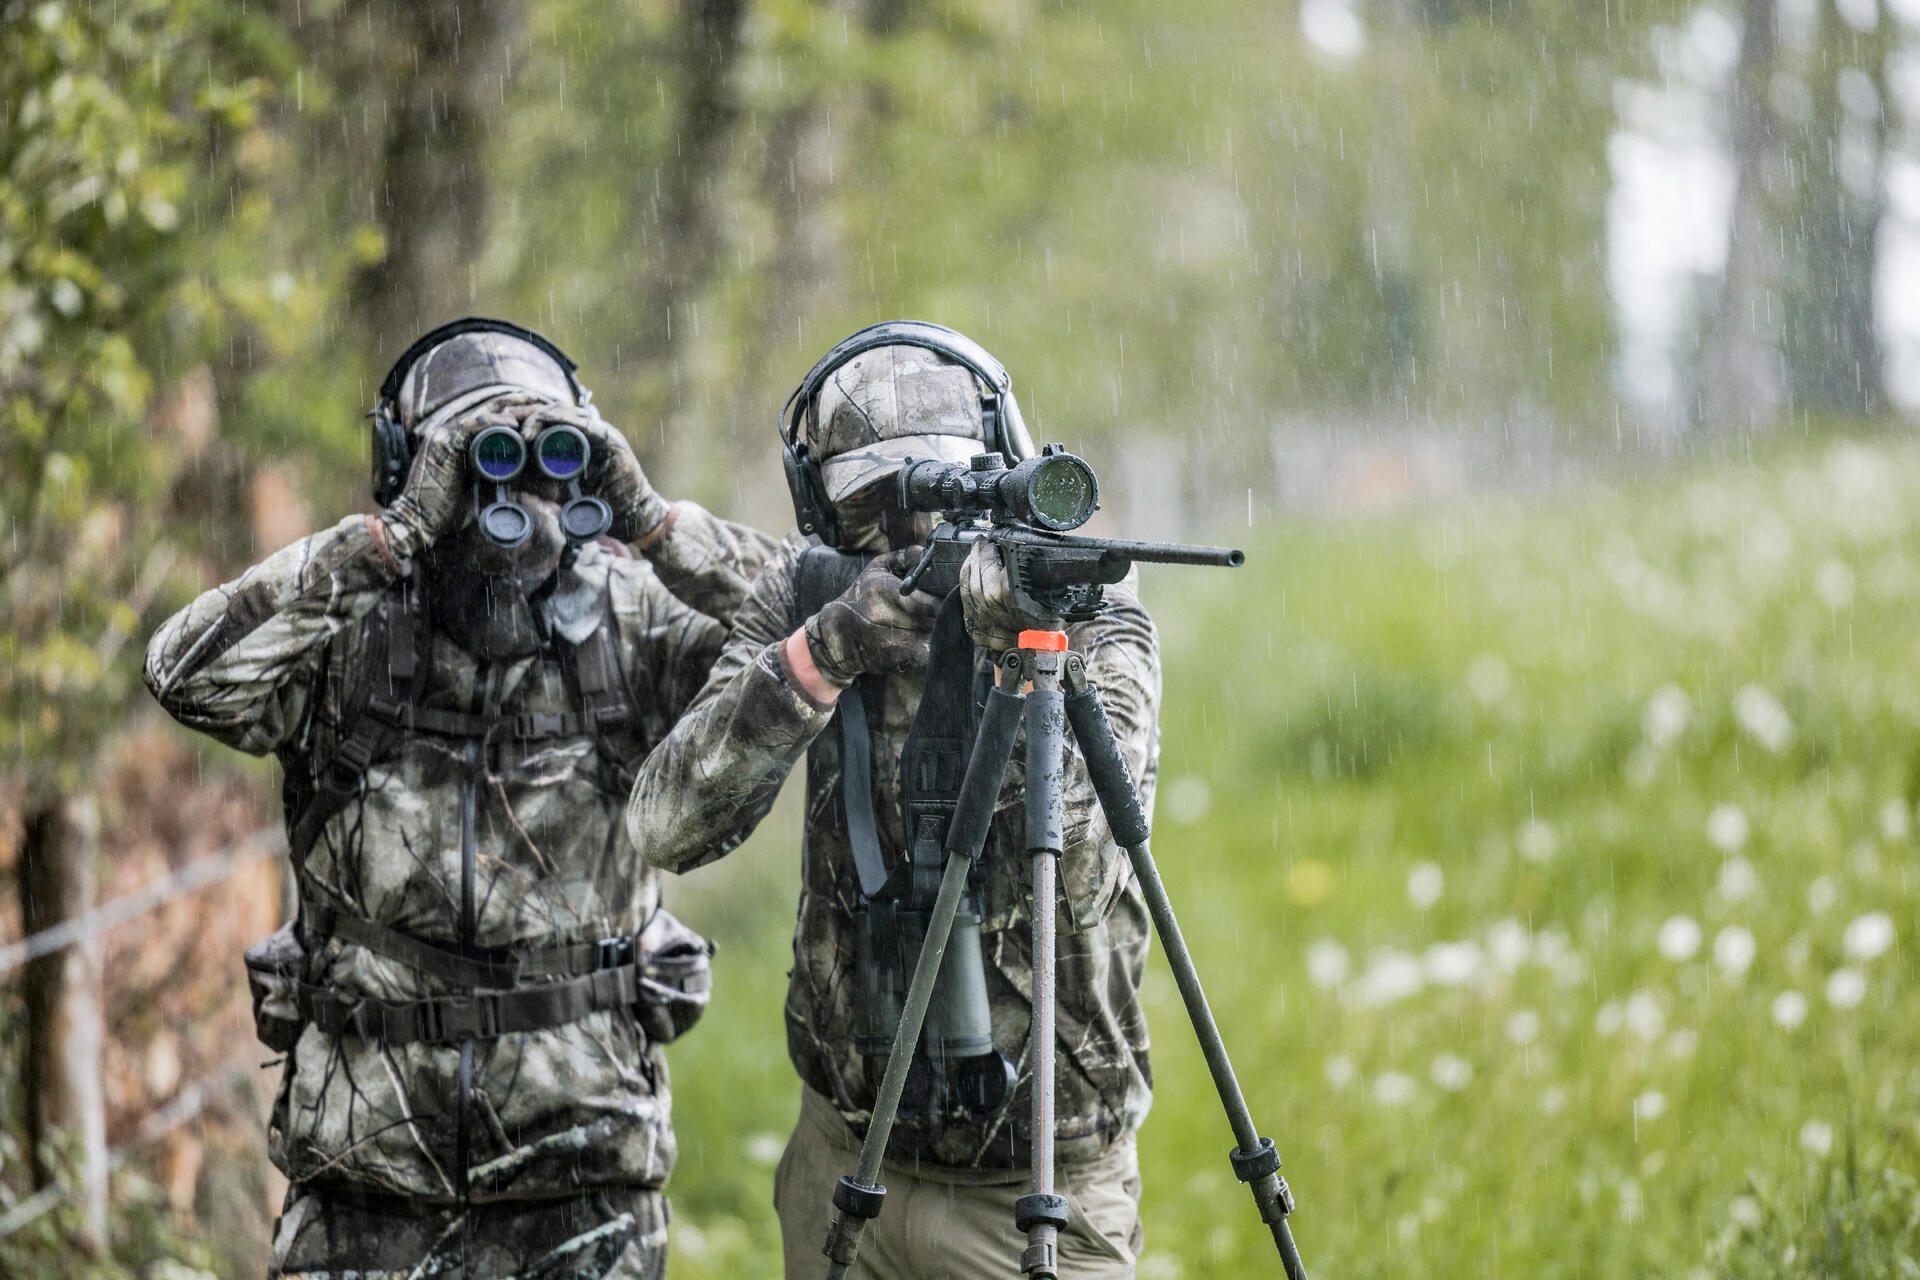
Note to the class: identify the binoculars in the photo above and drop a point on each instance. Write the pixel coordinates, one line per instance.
(560, 453)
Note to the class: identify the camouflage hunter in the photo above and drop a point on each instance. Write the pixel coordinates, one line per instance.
(715, 777)
(371, 1129)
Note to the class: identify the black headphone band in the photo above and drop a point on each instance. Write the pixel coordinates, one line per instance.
(390, 385)
(892, 333)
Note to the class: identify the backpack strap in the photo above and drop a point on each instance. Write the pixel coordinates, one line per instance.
(820, 575)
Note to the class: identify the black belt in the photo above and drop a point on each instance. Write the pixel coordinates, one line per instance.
(324, 916)
(481, 1016)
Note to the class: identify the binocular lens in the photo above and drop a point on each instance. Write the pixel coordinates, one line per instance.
(1062, 492)
(585, 519)
(506, 524)
(498, 453)
(562, 452)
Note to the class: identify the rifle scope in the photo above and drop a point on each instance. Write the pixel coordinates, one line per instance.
(1053, 490)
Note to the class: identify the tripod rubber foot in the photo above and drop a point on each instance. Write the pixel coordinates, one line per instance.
(1251, 1166)
(861, 1201)
(1031, 1210)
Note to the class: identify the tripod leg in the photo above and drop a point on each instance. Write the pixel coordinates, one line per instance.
(859, 1197)
(1255, 1161)
(1043, 1213)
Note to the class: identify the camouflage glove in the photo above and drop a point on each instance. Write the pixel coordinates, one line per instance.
(871, 628)
(613, 473)
(434, 502)
(986, 592)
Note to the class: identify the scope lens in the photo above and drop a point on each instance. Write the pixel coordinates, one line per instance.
(562, 452)
(1061, 493)
(498, 453)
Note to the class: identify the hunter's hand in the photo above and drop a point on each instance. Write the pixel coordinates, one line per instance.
(434, 502)
(871, 628)
(613, 474)
(986, 592)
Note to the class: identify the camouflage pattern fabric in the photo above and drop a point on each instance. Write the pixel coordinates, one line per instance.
(327, 1233)
(703, 790)
(267, 663)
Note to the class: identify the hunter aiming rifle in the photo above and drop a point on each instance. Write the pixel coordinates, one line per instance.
(1026, 511)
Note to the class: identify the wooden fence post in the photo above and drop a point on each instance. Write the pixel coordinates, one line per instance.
(65, 1029)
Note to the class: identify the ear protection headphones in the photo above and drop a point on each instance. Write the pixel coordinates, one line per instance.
(392, 447)
(1006, 429)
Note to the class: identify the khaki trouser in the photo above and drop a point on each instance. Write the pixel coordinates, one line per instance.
(951, 1224)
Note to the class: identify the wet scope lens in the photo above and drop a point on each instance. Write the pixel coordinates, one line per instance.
(1061, 492)
(562, 452)
(498, 453)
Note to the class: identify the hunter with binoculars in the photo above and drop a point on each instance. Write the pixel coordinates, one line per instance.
(529, 683)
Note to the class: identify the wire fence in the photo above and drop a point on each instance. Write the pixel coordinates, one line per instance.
(191, 1101)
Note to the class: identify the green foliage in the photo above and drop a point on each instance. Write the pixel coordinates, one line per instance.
(133, 235)
(1847, 1217)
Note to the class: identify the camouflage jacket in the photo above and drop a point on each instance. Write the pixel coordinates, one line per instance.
(267, 663)
(703, 790)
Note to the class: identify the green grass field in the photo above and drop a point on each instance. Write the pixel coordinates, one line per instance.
(1549, 865)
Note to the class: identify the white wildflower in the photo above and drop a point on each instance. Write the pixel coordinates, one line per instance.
(1425, 883)
(1833, 583)
(1554, 1100)
(1869, 936)
(1392, 1089)
(1846, 988)
(1822, 894)
(1895, 821)
(1340, 1071)
(1728, 828)
(1764, 719)
(1327, 963)
(765, 1148)
(1537, 840)
(1789, 1009)
(1610, 1018)
(1666, 715)
(1644, 1017)
(1738, 880)
(1523, 1026)
(1451, 1072)
(1508, 942)
(1679, 938)
(1683, 1043)
(1745, 1211)
(1452, 964)
(1817, 1137)
(1733, 951)
(1188, 799)
(1650, 1105)
(1391, 975)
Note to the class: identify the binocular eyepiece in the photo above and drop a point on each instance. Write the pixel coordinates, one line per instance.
(1053, 490)
(560, 453)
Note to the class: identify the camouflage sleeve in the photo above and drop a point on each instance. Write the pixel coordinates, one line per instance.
(1122, 653)
(707, 562)
(707, 786)
(239, 661)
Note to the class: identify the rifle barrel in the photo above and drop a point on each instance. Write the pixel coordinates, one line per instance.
(1174, 552)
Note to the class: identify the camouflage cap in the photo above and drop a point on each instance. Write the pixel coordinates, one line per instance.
(890, 404)
(478, 362)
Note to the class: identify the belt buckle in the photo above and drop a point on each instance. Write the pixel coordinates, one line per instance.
(610, 953)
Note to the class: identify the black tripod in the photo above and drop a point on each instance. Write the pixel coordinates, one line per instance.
(1048, 685)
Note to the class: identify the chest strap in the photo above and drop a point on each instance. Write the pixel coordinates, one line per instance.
(481, 1016)
(525, 726)
(323, 915)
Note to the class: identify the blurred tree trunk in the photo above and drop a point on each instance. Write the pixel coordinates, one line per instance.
(1833, 356)
(684, 225)
(65, 1031)
(1740, 379)
(440, 65)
